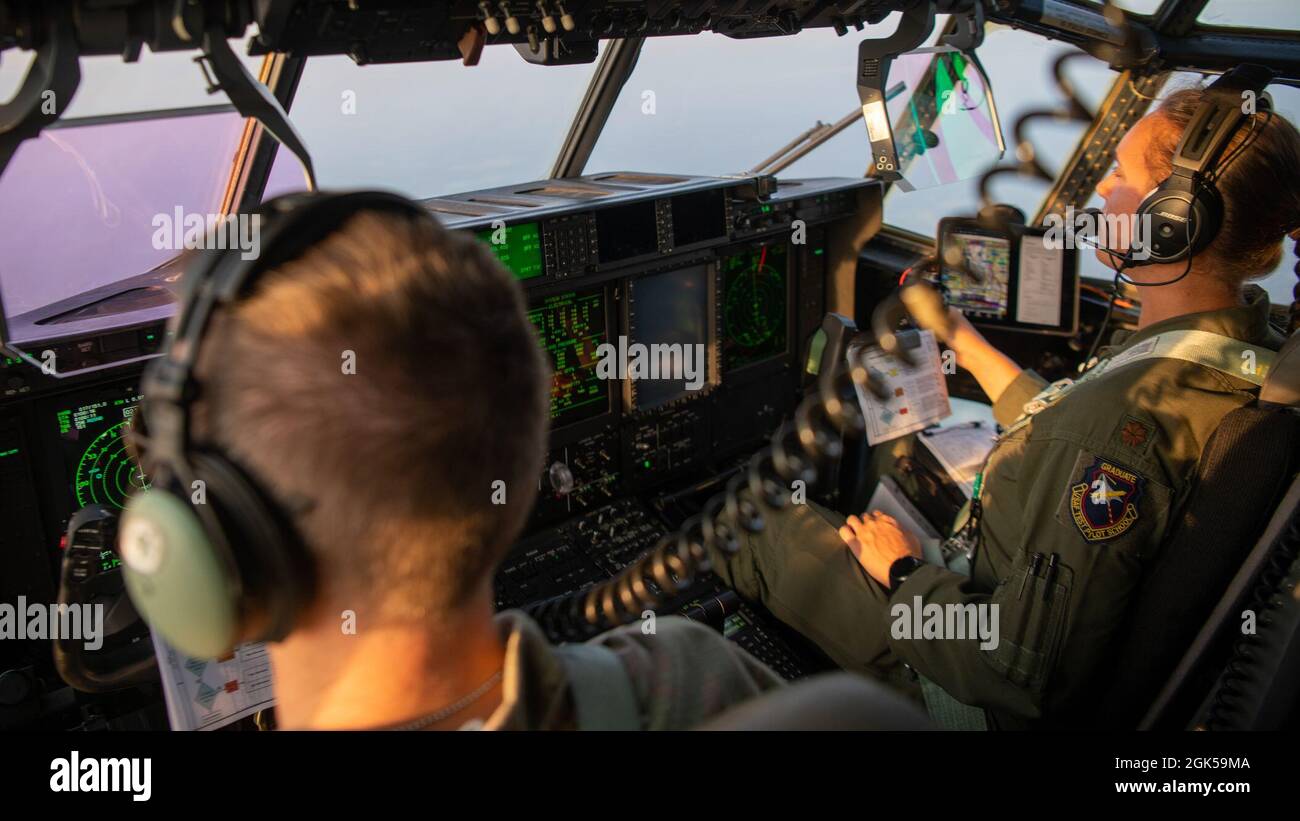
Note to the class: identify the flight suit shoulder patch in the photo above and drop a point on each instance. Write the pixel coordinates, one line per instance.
(1104, 499)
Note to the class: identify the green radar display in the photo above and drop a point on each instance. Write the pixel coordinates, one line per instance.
(106, 475)
(754, 305)
(94, 432)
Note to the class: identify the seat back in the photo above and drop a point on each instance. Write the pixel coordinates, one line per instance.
(1243, 473)
(1233, 678)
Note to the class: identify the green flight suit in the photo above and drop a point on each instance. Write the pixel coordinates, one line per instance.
(1095, 480)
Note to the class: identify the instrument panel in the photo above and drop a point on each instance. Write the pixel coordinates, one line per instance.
(690, 291)
(689, 287)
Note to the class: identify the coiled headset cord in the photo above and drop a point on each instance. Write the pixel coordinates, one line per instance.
(801, 450)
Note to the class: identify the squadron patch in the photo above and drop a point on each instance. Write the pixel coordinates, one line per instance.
(1104, 503)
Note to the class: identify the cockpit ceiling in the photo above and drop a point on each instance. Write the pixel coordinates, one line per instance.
(1173, 34)
(397, 32)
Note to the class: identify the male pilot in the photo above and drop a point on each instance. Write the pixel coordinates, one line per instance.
(399, 460)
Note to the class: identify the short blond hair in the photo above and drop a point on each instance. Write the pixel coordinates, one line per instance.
(394, 464)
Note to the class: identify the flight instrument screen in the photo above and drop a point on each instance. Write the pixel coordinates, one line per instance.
(977, 275)
(668, 319)
(754, 305)
(519, 247)
(571, 326)
(92, 427)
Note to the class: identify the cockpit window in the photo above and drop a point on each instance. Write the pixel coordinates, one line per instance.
(109, 85)
(425, 129)
(1282, 15)
(82, 205)
(714, 105)
(711, 104)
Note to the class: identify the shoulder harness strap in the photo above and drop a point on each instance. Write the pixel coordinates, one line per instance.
(603, 698)
(1222, 353)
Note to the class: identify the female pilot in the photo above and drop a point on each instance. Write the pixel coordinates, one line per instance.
(1078, 493)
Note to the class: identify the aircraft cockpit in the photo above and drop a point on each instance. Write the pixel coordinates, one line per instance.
(746, 236)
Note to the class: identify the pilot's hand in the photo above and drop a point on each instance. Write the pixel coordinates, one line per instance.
(877, 542)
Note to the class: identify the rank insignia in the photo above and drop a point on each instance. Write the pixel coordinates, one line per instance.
(1134, 433)
(1104, 503)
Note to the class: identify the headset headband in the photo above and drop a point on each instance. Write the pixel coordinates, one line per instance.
(1217, 120)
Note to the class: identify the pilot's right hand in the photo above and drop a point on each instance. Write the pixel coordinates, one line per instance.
(877, 541)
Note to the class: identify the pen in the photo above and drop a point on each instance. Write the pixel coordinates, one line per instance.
(1034, 561)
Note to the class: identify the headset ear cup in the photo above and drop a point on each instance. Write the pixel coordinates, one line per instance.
(176, 577)
(275, 574)
(1167, 225)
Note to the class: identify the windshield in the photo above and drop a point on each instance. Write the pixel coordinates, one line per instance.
(425, 129)
(1283, 15)
(81, 205)
(78, 205)
(713, 105)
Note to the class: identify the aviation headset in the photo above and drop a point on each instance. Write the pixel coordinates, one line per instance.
(1185, 212)
(210, 558)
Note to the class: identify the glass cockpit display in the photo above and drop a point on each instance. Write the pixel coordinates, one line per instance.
(571, 326)
(976, 273)
(518, 247)
(92, 429)
(754, 305)
(669, 328)
(1015, 277)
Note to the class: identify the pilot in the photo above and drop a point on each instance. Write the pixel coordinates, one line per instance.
(422, 466)
(1080, 490)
